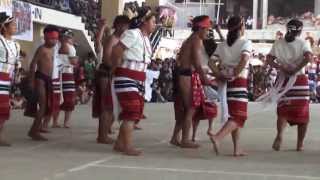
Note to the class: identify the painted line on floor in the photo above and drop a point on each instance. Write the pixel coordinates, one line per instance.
(92, 163)
(206, 172)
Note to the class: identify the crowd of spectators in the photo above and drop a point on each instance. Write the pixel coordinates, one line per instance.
(161, 82)
(309, 19)
(261, 78)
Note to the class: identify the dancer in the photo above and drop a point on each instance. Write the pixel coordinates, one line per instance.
(56, 92)
(9, 56)
(67, 53)
(102, 101)
(210, 46)
(290, 55)
(41, 69)
(233, 55)
(190, 77)
(132, 56)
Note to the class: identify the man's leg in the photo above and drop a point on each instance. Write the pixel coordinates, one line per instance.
(106, 118)
(109, 127)
(45, 124)
(186, 94)
(195, 125)
(302, 130)
(175, 139)
(46, 121)
(281, 125)
(34, 132)
(185, 142)
(101, 129)
(104, 123)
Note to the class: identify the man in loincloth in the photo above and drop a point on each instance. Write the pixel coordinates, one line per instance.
(41, 69)
(190, 78)
(103, 105)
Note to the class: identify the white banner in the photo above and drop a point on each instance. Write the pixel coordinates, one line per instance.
(6, 6)
(22, 12)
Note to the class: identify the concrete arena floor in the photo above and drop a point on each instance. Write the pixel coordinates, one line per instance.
(73, 154)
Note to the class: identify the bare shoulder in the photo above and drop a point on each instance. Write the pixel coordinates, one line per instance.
(41, 50)
(196, 42)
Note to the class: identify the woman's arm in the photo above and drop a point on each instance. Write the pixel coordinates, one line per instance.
(242, 64)
(307, 58)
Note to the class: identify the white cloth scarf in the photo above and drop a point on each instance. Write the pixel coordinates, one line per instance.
(278, 90)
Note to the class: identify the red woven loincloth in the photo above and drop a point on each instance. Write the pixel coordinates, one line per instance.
(204, 110)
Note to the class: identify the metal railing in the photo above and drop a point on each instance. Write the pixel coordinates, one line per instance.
(155, 37)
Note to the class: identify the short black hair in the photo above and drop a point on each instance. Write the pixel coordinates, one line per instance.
(121, 19)
(50, 28)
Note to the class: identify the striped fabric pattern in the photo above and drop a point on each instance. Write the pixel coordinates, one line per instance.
(4, 96)
(125, 84)
(238, 94)
(294, 105)
(237, 97)
(68, 82)
(69, 92)
(129, 88)
(56, 88)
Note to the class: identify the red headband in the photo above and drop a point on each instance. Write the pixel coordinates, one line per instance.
(206, 23)
(52, 35)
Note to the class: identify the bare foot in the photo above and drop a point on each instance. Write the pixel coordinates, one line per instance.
(4, 143)
(56, 126)
(44, 131)
(193, 139)
(189, 145)
(132, 152)
(210, 133)
(136, 127)
(66, 127)
(300, 148)
(175, 142)
(277, 144)
(215, 144)
(240, 153)
(118, 147)
(37, 137)
(105, 141)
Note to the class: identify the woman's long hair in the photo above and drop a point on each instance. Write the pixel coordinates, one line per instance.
(234, 25)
